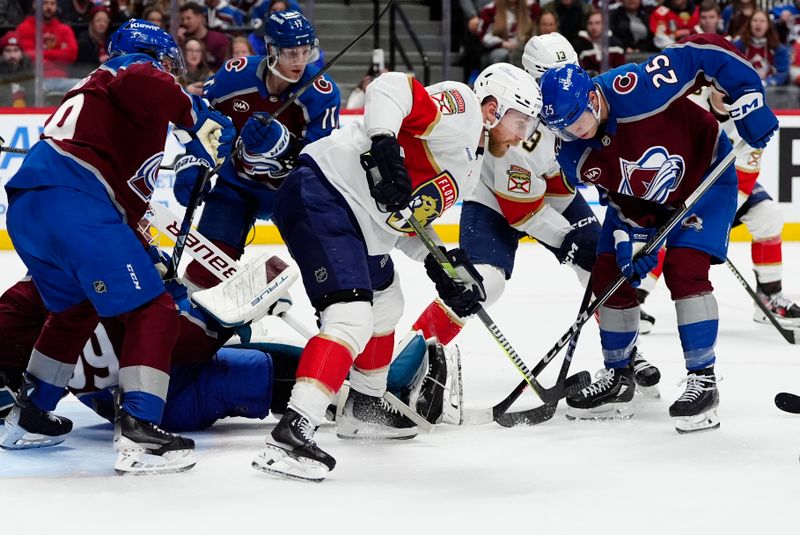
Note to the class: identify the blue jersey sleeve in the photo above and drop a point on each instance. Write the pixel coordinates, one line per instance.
(636, 91)
(320, 103)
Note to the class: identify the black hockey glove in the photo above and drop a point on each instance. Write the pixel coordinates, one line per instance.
(579, 248)
(465, 296)
(391, 185)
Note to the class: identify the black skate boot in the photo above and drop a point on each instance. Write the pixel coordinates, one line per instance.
(371, 417)
(8, 391)
(436, 395)
(143, 448)
(646, 376)
(607, 398)
(646, 321)
(28, 426)
(290, 451)
(696, 409)
(785, 311)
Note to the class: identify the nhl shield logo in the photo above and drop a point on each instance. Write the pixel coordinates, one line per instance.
(430, 200)
(321, 274)
(652, 177)
(100, 287)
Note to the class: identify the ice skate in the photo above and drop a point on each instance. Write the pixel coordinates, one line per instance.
(436, 396)
(696, 409)
(370, 417)
(646, 376)
(608, 398)
(144, 449)
(291, 452)
(785, 310)
(28, 426)
(8, 393)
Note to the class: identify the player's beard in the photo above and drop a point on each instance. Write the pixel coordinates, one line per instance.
(497, 148)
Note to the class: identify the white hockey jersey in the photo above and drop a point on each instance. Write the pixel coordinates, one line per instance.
(439, 129)
(526, 187)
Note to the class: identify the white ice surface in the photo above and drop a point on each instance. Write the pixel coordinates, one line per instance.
(638, 476)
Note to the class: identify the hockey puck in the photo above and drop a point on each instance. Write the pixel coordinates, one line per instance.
(788, 402)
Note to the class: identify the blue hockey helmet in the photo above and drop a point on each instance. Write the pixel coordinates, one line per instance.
(565, 100)
(289, 29)
(138, 36)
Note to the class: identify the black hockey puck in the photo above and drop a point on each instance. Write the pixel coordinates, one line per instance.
(788, 402)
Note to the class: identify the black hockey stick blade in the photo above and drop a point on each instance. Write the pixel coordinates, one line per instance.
(788, 402)
(545, 412)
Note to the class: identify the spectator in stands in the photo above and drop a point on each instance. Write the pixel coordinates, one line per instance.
(736, 15)
(787, 20)
(710, 19)
(548, 22)
(630, 23)
(92, 42)
(589, 46)
(197, 70)
(193, 25)
(16, 74)
(74, 11)
(673, 21)
(506, 25)
(571, 17)
(760, 44)
(12, 12)
(154, 14)
(470, 38)
(257, 14)
(241, 47)
(221, 15)
(59, 46)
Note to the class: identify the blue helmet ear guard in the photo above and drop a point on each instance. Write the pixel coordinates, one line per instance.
(138, 36)
(565, 95)
(288, 29)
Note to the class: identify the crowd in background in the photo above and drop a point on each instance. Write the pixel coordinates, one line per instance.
(212, 31)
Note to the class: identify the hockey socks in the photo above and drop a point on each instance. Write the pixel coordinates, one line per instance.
(437, 321)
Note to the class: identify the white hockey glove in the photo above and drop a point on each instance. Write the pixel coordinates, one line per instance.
(212, 135)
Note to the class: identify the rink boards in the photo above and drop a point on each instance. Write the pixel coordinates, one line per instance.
(780, 174)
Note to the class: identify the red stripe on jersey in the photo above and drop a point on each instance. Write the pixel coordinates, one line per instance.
(767, 252)
(424, 112)
(517, 212)
(557, 185)
(747, 180)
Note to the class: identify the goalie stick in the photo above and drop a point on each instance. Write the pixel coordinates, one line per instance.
(790, 335)
(224, 267)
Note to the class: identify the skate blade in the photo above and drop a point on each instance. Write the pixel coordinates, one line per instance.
(277, 461)
(137, 462)
(705, 421)
(16, 438)
(609, 411)
(789, 323)
(650, 392)
(645, 327)
(351, 429)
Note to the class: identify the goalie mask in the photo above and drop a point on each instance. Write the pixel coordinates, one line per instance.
(291, 44)
(141, 37)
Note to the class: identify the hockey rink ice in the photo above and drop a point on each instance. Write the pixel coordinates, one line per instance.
(635, 476)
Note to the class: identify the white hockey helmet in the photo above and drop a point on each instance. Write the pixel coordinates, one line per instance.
(514, 89)
(544, 52)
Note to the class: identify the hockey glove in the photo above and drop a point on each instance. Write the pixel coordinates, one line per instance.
(266, 146)
(578, 249)
(212, 135)
(754, 120)
(627, 242)
(390, 186)
(188, 170)
(464, 297)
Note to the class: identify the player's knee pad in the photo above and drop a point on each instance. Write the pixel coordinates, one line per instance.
(494, 282)
(387, 307)
(764, 220)
(351, 323)
(686, 272)
(604, 272)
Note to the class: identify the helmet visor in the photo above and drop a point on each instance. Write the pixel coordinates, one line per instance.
(583, 127)
(519, 124)
(172, 61)
(298, 55)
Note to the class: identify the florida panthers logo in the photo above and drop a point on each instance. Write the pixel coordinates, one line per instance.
(143, 182)
(430, 200)
(655, 175)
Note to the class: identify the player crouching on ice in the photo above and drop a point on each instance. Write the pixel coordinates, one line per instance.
(73, 209)
(420, 147)
(609, 128)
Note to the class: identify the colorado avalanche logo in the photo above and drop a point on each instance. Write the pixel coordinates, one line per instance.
(653, 177)
(144, 181)
(430, 200)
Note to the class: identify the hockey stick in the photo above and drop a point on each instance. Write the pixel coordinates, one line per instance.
(790, 335)
(651, 246)
(548, 395)
(788, 402)
(197, 191)
(545, 412)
